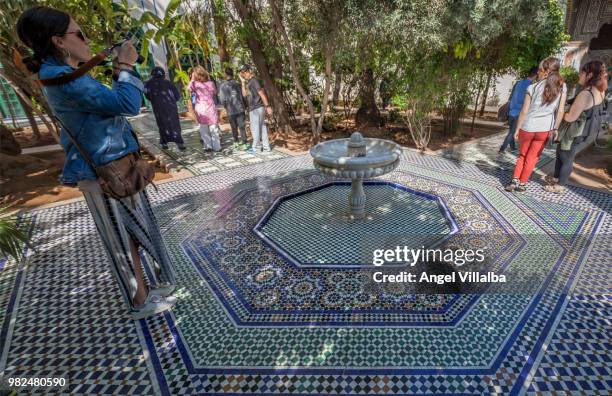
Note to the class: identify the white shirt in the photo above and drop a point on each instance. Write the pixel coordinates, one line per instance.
(541, 117)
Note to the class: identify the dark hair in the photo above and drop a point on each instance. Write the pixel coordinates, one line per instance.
(533, 72)
(36, 27)
(229, 72)
(246, 67)
(554, 81)
(599, 75)
(158, 72)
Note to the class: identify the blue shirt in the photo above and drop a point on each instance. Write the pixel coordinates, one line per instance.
(95, 115)
(518, 97)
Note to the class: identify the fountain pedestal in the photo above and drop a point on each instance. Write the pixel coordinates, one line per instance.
(356, 158)
(357, 199)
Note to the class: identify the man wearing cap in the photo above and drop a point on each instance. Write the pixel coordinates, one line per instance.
(258, 107)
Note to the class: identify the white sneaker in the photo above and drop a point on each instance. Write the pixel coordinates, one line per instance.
(163, 290)
(153, 304)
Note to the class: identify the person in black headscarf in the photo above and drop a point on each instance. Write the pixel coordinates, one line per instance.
(163, 96)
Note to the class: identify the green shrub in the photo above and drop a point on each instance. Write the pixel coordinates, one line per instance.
(570, 75)
(12, 237)
(395, 116)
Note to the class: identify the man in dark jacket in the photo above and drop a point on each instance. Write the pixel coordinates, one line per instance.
(163, 96)
(230, 96)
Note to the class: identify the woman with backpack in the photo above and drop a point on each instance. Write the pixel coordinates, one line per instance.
(539, 119)
(582, 122)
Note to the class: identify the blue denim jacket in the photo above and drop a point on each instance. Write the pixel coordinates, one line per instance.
(95, 114)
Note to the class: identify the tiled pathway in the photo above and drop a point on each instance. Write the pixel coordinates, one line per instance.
(484, 152)
(195, 159)
(251, 321)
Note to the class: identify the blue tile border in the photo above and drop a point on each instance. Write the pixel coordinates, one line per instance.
(13, 303)
(532, 357)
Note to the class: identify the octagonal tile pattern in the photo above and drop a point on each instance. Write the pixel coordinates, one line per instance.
(260, 286)
(64, 316)
(312, 228)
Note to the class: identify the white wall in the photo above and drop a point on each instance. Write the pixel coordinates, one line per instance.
(158, 7)
(503, 87)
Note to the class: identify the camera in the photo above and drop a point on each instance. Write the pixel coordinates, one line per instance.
(140, 58)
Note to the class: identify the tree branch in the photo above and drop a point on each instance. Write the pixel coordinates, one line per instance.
(293, 65)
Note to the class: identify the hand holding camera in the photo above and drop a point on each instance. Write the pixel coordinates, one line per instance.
(126, 54)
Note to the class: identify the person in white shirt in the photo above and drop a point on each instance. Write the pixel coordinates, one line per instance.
(539, 119)
(589, 104)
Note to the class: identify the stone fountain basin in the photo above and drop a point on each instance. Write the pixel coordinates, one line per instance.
(382, 156)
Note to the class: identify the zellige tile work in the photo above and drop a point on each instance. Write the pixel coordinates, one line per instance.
(268, 306)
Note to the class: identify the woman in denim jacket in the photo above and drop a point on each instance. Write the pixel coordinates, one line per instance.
(95, 115)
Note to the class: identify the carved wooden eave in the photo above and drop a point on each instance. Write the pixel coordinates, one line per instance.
(584, 19)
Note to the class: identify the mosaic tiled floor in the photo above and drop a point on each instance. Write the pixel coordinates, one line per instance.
(484, 152)
(195, 159)
(252, 321)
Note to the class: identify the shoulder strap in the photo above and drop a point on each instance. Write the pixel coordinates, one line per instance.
(82, 151)
(79, 72)
(589, 112)
(535, 92)
(592, 96)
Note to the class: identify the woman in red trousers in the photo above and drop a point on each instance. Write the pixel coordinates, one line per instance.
(540, 117)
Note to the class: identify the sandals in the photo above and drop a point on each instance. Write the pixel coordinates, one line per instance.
(516, 185)
(513, 185)
(551, 180)
(555, 188)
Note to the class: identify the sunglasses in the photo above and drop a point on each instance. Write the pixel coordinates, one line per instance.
(78, 33)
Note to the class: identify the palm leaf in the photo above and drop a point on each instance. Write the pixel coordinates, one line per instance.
(172, 7)
(159, 35)
(149, 17)
(180, 75)
(12, 237)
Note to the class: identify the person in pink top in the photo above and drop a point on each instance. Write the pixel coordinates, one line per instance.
(203, 91)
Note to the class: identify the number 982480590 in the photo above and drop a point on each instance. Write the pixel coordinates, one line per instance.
(33, 382)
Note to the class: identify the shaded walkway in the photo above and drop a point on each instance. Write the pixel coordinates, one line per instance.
(195, 159)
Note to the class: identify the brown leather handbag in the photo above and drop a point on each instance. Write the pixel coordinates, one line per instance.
(122, 177)
(126, 176)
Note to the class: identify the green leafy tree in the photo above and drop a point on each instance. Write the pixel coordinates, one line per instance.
(456, 43)
(314, 26)
(255, 32)
(103, 21)
(173, 30)
(494, 36)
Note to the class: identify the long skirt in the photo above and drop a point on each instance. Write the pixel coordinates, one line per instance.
(168, 123)
(117, 222)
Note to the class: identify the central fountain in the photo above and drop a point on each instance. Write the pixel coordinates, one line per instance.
(309, 224)
(356, 158)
